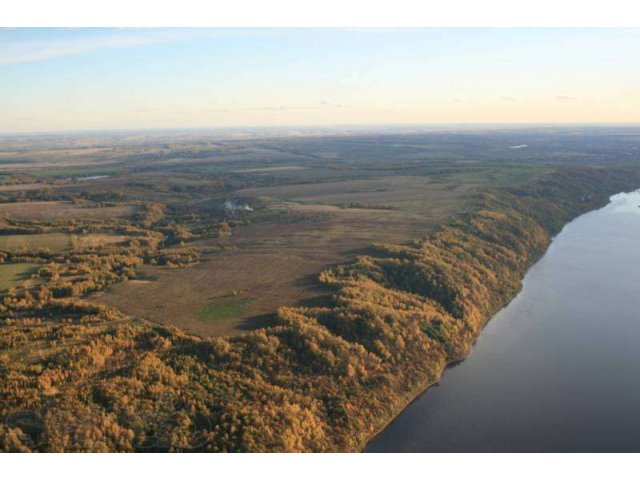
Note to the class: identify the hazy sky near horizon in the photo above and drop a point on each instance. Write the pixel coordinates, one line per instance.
(86, 79)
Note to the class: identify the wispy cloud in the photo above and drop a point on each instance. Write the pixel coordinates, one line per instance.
(566, 98)
(328, 104)
(315, 106)
(21, 51)
(323, 104)
(58, 45)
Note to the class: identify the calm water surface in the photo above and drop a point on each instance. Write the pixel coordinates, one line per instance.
(558, 369)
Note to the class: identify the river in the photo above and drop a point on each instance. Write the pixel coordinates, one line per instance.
(558, 369)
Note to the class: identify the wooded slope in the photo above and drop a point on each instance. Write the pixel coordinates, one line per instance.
(323, 379)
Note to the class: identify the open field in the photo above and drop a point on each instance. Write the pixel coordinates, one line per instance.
(271, 169)
(276, 259)
(56, 242)
(316, 202)
(224, 308)
(312, 209)
(14, 274)
(91, 240)
(52, 241)
(26, 186)
(52, 211)
(408, 194)
(191, 297)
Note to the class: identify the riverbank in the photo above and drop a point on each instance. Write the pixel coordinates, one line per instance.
(414, 396)
(550, 371)
(595, 199)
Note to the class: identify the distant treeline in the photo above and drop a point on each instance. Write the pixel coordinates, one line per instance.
(322, 379)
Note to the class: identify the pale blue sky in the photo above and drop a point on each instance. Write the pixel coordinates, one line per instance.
(84, 79)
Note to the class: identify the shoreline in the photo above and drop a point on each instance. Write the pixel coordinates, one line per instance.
(419, 392)
(414, 396)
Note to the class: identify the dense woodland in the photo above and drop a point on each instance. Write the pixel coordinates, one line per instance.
(76, 376)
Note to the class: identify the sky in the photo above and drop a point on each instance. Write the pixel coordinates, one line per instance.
(106, 79)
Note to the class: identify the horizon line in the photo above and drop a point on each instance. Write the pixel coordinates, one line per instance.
(316, 126)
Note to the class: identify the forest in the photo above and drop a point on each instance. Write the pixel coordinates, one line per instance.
(77, 375)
